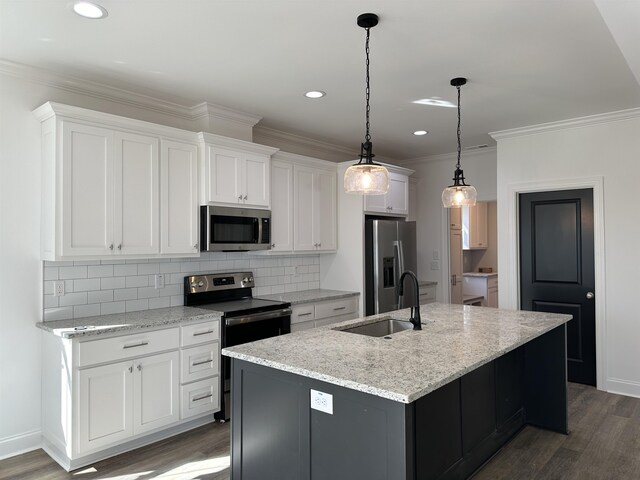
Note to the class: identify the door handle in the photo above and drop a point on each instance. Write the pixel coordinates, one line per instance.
(590, 295)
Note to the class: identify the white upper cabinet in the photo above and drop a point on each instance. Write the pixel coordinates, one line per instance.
(474, 227)
(281, 206)
(108, 190)
(234, 172)
(396, 201)
(315, 215)
(303, 204)
(179, 198)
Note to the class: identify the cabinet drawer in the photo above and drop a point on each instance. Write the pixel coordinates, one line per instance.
(492, 282)
(298, 327)
(200, 362)
(200, 333)
(337, 307)
(127, 346)
(200, 397)
(302, 313)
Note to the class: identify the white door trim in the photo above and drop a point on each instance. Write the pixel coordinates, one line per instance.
(509, 287)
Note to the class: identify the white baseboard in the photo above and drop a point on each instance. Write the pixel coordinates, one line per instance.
(22, 443)
(623, 387)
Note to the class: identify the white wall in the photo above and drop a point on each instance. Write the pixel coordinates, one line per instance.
(597, 147)
(433, 174)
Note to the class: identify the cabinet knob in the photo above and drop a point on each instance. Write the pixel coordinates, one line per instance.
(590, 295)
(273, 245)
(139, 367)
(319, 245)
(245, 197)
(111, 247)
(120, 247)
(240, 197)
(131, 369)
(195, 246)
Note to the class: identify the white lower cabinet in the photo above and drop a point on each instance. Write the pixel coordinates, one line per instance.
(427, 294)
(319, 314)
(102, 396)
(486, 286)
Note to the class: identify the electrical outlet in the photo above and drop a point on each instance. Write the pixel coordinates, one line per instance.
(159, 281)
(322, 401)
(58, 288)
(435, 265)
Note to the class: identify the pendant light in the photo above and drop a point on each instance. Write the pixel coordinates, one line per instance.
(367, 177)
(459, 194)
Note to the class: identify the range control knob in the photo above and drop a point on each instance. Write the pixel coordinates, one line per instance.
(194, 284)
(246, 280)
(200, 283)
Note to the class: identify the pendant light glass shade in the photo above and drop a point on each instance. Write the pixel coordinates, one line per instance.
(459, 194)
(367, 177)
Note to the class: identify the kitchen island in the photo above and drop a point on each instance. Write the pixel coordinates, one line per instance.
(432, 403)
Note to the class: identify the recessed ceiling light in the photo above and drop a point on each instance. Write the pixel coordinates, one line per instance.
(436, 102)
(420, 132)
(315, 94)
(90, 10)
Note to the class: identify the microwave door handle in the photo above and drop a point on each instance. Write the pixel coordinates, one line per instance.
(209, 233)
(259, 221)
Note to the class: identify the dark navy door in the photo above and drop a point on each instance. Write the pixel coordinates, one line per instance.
(557, 269)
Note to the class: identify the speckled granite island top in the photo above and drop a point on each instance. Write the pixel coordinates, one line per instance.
(309, 296)
(123, 322)
(454, 340)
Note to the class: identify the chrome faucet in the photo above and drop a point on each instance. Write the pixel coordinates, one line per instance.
(415, 320)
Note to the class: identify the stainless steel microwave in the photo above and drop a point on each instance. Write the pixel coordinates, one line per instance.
(234, 229)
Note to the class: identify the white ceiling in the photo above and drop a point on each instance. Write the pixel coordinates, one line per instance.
(527, 61)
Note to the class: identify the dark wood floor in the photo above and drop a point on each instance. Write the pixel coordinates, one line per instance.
(604, 443)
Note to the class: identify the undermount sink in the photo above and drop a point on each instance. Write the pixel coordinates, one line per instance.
(381, 328)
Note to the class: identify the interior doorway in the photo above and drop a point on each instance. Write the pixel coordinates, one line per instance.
(473, 254)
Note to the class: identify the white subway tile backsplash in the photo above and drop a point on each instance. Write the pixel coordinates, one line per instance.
(86, 310)
(68, 273)
(118, 285)
(125, 294)
(79, 298)
(111, 307)
(86, 285)
(137, 281)
(50, 273)
(60, 313)
(125, 270)
(109, 283)
(136, 305)
(100, 271)
(101, 296)
(148, 268)
(148, 292)
(159, 302)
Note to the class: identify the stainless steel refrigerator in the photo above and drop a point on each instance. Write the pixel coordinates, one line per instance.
(390, 249)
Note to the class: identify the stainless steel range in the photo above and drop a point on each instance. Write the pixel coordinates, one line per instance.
(245, 319)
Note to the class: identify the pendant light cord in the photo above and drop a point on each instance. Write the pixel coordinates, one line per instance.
(458, 133)
(367, 136)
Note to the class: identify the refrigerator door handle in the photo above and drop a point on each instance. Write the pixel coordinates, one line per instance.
(399, 255)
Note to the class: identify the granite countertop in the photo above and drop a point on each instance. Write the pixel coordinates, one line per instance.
(479, 274)
(426, 283)
(124, 322)
(309, 296)
(455, 340)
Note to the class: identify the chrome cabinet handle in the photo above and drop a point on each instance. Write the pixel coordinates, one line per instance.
(240, 197)
(245, 197)
(590, 295)
(141, 344)
(131, 369)
(338, 308)
(195, 364)
(111, 247)
(120, 247)
(139, 367)
(273, 245)
(197, 334)
(195, 246)
(304, 314)
(202, 397)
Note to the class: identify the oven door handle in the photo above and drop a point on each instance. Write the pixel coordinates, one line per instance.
(257, 317)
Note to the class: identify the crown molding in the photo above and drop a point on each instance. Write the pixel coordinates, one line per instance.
(298, 144)
(391, 167)
(448, 157)
(229, 142)
(202, 112)
(590, 120)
